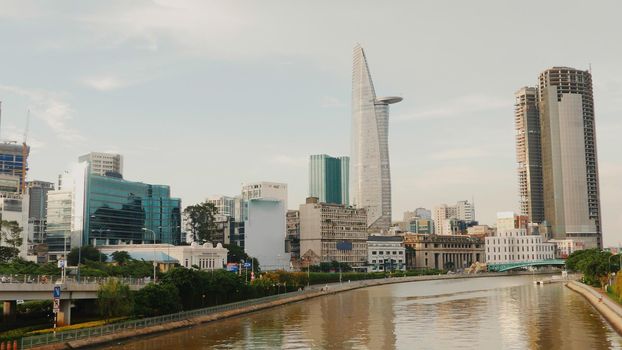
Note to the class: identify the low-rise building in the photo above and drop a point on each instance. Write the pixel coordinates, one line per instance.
(448, 252)
(385, 253)
(205, 256)
(333, 232)
(481, 231)
(516, 245)
(565, 247)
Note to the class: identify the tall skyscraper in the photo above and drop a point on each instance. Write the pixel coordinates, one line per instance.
(569, 160)
(37, 209)
(103, 164)
(529, 153)
(328, 178)
(371, 175)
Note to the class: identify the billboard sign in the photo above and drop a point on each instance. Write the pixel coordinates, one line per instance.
(344, 245)
(232, 267)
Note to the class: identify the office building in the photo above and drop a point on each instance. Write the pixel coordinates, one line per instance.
(329, 178)
(569, 157)
(529, 154)
(14, 162)
(333, 232)
(463, 211)
(443, 251)
(100, 210)
(37, 213)
(565, 247)
(370, 174)
(420, 225)
(104, 164)
(265, 225)
(386, 253)
(225, 205)
(516, 245)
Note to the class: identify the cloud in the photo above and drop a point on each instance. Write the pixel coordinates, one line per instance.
(52, 109)
(461, 153)
(467, 104)
(104, 83)
(332, 102)
(289, 160)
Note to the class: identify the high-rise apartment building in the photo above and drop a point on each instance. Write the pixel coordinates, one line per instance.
(104, 164)
(529, 153)
(465, 211)
(370, 175)
(329, 178)
(568, 198)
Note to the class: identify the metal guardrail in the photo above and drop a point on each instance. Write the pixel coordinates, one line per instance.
(51, 279)
(50, 338)
(70, 335)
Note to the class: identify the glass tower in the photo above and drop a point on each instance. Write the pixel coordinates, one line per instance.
(371, 175)
(328, 178)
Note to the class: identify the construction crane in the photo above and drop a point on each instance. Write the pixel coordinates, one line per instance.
(25, 152)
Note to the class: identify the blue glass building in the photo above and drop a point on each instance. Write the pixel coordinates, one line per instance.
(14, 161)
(117, 210)
(329, 178)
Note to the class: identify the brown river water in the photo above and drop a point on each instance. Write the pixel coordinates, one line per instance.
(477, 313)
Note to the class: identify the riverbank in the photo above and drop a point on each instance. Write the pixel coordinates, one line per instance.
(112, 333)
(610, 309)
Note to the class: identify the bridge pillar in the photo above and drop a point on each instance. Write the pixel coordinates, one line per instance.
(10, 310)
(64, 313)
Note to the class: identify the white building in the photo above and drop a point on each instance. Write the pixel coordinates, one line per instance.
(512, 246)
(102, 163)
(265, 224)
(463, 210)
(385, 253)
(205, 256)
(14, 207)
(565, 247)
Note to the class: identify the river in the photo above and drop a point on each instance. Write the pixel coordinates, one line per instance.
(477, 313)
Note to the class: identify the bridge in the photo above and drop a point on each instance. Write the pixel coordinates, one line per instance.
(518, 265)
(26, 289)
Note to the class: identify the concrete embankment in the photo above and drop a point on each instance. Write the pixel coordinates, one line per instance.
(610, 309)
(312, 292)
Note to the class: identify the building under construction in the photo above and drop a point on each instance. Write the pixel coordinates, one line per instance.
(14, 162)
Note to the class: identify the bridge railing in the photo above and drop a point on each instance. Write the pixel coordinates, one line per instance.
(50, 338)
(51, 279)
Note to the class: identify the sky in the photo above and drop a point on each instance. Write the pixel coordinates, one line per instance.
(206, 95)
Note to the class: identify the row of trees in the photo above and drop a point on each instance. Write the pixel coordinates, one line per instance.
(594, 264)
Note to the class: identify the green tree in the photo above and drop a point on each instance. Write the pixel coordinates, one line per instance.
(121, 257)
(87, 253)
(7, 254)
(201, 220)
(157, 299)
(114, 299)
(11, 233)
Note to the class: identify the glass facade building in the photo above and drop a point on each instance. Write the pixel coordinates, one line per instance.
(97, 210)
(118, 210)
(328, 178)
(371, 175)
(14, 161)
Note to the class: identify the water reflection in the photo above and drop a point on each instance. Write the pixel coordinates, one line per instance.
(483, 313)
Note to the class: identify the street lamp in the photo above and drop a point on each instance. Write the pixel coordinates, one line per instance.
(154, 252)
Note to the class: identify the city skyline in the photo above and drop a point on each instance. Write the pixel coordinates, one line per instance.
(75, 107)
